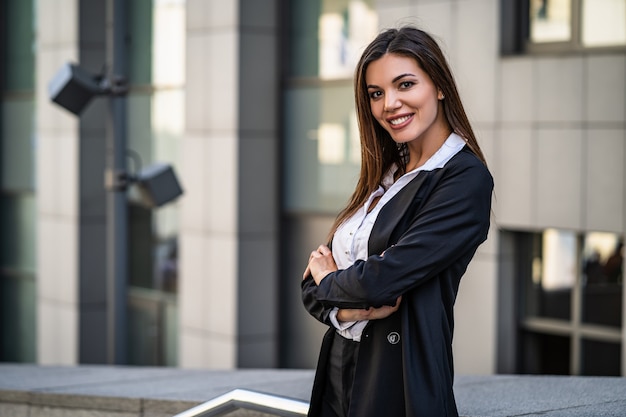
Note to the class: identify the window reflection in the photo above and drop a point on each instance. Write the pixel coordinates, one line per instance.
(553, 274)
(545, 354)
(559, 260)
(344, 28)
(155, 125)
(581, 23)
(17, 144)
(331, 142)
(604, 22)
(603, 256)
(167, 259)
(322, 150)
(601, 358)
(571, 299)
(18, 204)
(168, 60)
(329, 36)
(550, 20)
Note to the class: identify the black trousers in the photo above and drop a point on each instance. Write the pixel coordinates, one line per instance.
(340, 374)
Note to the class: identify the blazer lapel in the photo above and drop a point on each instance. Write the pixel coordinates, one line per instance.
(392, 212)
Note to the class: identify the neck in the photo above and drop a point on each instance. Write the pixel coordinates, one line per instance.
(420, 151)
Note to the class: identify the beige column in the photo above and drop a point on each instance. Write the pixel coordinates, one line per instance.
(228, 292)
(70, 194)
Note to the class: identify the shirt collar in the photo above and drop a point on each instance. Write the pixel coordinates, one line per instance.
(453, 144)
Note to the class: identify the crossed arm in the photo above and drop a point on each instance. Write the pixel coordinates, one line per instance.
(321, 263)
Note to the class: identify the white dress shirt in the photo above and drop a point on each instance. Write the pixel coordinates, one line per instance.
(351, 238)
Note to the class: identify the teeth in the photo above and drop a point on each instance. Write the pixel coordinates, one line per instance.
(399, 120)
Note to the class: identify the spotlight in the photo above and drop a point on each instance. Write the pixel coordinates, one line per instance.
(157, 185)
(73, 87)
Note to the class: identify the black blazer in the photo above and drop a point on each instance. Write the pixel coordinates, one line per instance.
(428, 232)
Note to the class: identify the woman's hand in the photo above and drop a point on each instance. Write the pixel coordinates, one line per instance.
(321, 263)
(348, 314)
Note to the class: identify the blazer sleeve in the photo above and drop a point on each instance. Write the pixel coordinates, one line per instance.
(315, 308)
(453, 221)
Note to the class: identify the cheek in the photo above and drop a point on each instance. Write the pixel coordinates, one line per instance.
(432, 105)
(378, 119)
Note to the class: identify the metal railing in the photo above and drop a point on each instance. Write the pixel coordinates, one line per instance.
(250, 400)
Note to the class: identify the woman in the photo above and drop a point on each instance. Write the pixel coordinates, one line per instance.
(420, 210)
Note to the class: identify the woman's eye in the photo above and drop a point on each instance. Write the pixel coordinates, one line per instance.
(375, 94)
(406, 84)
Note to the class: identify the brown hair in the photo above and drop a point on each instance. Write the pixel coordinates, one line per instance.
(378, 151)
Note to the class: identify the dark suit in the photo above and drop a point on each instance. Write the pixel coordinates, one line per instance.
(428, 232)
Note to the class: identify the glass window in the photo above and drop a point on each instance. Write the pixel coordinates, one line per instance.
(17, 223)
(561, 25)
(303, 38)
(17, 144)
(17, 182)
(604, 22)
(545, 354)
(140, 41)
(322, 151)
(553, 265)
(17, 316)
(603, 255)
(335, 31)
(601, 358)
(19, 48)
(550, 20)
(155, 125)
(571, 309)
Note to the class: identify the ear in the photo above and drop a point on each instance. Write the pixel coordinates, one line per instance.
(440, 95)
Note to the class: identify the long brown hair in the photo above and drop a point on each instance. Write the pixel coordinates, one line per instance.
(378, 151)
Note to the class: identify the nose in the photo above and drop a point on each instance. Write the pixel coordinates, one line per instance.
(391, 102)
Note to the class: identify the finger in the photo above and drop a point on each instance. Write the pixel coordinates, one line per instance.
(324, 250)
(307, 272)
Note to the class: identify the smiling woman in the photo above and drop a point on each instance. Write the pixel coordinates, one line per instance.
(418, 213)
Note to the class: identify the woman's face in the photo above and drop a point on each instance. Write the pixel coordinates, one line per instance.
(404, 100)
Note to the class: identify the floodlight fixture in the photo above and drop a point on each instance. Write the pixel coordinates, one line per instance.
(157, 185)
(73, 87)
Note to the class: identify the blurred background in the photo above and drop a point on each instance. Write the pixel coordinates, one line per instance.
(251, 102)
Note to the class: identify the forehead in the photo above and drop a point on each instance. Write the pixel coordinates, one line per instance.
(389, 66)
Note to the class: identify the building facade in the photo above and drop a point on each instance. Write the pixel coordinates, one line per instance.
(251, 102)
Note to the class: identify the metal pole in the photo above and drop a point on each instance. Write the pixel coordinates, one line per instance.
(115, 179)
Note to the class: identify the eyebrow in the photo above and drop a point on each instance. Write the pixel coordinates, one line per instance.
(399, 77)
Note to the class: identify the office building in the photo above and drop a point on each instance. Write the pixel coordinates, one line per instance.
(251, 102)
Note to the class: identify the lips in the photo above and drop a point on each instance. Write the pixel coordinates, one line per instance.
(400, 122)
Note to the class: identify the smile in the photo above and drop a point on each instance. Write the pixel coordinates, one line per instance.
(400, 120)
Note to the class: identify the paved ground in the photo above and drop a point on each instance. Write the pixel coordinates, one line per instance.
(127, 391)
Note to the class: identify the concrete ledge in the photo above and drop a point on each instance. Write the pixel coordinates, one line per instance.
(546, 396)
(29, 404)
(112, 391)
